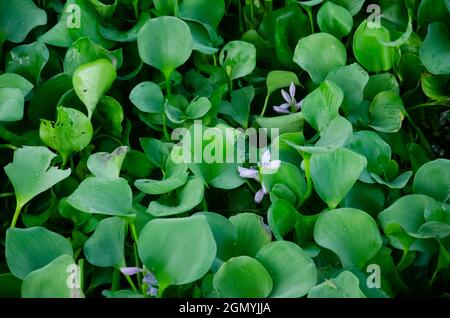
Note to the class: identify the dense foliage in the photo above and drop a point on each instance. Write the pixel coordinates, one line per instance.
(349, 197)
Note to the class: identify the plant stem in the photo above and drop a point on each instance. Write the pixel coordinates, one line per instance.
(16, 215)
(130, 281)
(7, 194)
(266, 101)
(306, 160)
(8, 146)
(115, 280)
(136, 255)
(204, 204)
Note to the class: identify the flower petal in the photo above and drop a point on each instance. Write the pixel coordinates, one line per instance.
(265, 158)
(259, 195)
(285, 106)
(150, 279)
(292, 90)
(248, 173)
(152, 291)
(274, 164)
(129, 271)
(299, 105)
(286, 96)
(280, 110)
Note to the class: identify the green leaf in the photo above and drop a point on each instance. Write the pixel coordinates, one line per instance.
(286, 123)
(72, 132)
(280, 79)
(350, 233)
(183, 200)
(435, 50)
(175, 177)
(380, 83)
(252, 233)
(366, 197)
(433, 179)
(242, 277)
(107, 165)
(177, 251)
(334, 174)
(398, 183)
(435, 86)
(148, 97)
(224, 233)
(92, 80)
(105, 248)
(354, 6)
(157, 151)
(11, 80)
(352, 79)
(51, 281)
(292, 181)
(238, 59)
(84, 50)
(28, 60)
(282, 218)
(203, 11)
(198, 108)
(109, 114)
(368, 50)
(78, 19)
(386, 112)
(165, 43)
(10, 286)
(292, 271)
(319, 54)
(345, 285)
(334, 19)
(11, 104)
(334, 136)
(32, 177)
(321, 106)
(30, 249)
(104, 196)
(18, 18)
(239, 108)
(406, 215)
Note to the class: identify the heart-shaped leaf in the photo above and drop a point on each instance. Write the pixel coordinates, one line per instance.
(350, 233)
(292, 271)
(345, 285)
(148, 97)
(334, 174)
(386, 112)
(433, 179)
(238, 59)
(319, 54)
(28, 60)
(254, 280)
(92, 80)
(30, 249)
(165, 43)
(434, 52)
(177, 251)
(334, 19)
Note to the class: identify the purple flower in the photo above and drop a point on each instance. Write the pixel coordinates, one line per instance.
(149, 279)
(266, 166)
(291, 103)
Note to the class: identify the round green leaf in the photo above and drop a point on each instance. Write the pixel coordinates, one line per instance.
(380, 83)
(105, 248)
(103, 195)
(30, 249)
(350, 233)
(319, 54)
(165, 43)
(433, 179)
(148, 97)
(334, 174)
(238, 59)
(334, 19)
(282, 218)
(292, 271)
(242, 277)
(203, 11)
(177, 251)
(435, 50)
(92, 80)
(368, 50)
(386, 112)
